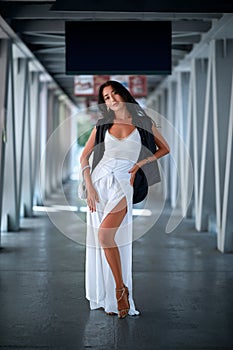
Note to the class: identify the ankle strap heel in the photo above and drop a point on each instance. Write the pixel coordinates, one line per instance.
(123, 302)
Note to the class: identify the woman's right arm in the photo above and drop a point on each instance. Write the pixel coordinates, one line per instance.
(89, 146)
(92, 195)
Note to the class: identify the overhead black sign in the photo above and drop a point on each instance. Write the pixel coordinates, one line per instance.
(118, 47)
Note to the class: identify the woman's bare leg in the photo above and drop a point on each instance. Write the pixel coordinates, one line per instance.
(107, 232)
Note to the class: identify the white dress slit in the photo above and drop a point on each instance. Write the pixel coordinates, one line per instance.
(112, 182)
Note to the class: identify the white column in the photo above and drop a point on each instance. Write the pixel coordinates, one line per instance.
(43, 141)
(35, 118)
(4, 78)
(222, 55)
(10, 209)
(201, 90)
(172, 91)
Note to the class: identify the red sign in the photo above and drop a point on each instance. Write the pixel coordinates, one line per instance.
(83, 85)
(99, 80)
(88, 85)
(138, 85)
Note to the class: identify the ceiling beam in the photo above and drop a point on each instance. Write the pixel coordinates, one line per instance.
(144, 6)
(50, 39)
(59, 57)
(52, 65)
(185, 26)
(50, 50)
(45, 56)
(63, 76)
(40, 26)
(43, 11)
(44, 40)
(188, 39)
(178, 53)
(58, 26)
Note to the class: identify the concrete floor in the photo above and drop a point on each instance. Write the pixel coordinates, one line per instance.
(182, 285)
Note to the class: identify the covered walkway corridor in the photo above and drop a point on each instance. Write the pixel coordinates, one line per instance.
(183, 232)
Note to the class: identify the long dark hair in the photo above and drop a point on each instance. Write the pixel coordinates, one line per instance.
(132, 105)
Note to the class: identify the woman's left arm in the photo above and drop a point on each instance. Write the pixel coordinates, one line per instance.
(163, 149)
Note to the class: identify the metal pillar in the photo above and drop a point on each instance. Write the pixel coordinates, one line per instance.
(222, 69)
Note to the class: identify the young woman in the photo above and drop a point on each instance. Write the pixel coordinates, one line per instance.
(116, 145)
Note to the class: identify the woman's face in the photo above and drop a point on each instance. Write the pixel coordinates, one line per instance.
(112, 98)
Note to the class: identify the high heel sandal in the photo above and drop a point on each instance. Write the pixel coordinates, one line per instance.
(123, 312)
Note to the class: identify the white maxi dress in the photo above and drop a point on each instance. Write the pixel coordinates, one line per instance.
(112, 182)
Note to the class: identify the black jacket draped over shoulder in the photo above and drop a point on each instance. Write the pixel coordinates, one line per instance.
(146, 175)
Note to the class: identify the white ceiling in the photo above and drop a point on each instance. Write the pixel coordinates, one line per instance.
(43, 31)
